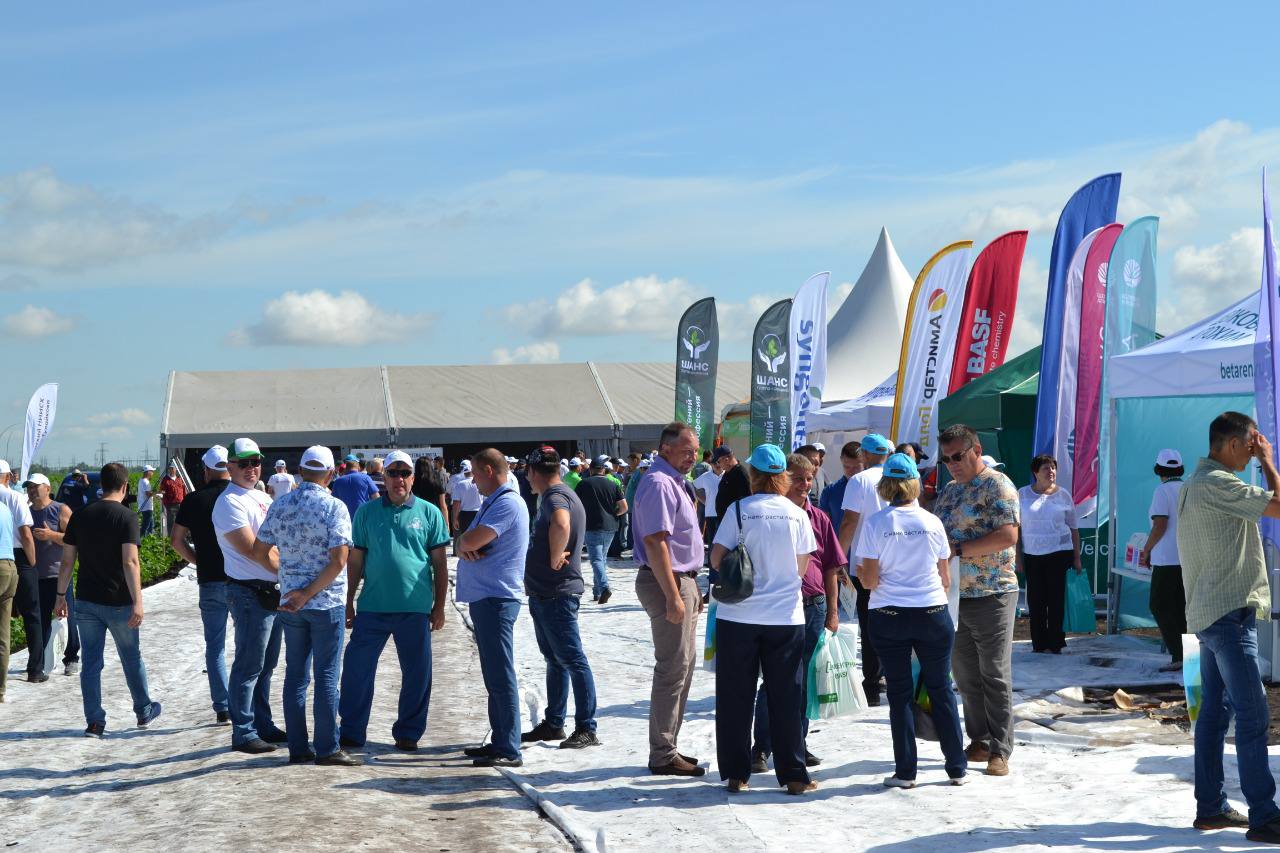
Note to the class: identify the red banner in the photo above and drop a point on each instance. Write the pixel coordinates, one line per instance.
(1093, 312)
(987, 320)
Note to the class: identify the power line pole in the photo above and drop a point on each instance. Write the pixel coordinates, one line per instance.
(102, 453)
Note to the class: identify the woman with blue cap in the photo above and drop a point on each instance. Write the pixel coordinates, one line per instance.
(904, 553)
(765, 630)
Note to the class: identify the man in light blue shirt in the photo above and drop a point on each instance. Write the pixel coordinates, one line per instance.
(490, 581)
(312, 531)
(8, 588)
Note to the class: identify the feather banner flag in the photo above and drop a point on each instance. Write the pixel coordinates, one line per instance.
(989, 302)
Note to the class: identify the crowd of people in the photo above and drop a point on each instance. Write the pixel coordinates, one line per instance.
(331, 563)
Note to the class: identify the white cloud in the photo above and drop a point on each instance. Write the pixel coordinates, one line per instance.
(319, 318)
(1028, 316)
(539, 352)
(1211, 277)
(1003, 218)
(132, 417)
(33, 322)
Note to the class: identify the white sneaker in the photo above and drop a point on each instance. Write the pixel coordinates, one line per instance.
(895, 782)
(71, 668)
(959, 780)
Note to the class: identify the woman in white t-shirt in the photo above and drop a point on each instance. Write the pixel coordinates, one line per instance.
(765, 631)
(904, 552)
(1168, 598)
(1049, 545)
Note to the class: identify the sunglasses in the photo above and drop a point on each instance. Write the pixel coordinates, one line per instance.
(397, 473)
(250, 463)
(955, 457)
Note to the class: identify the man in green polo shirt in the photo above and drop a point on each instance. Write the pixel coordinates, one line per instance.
(399, 551)
(1226, 582)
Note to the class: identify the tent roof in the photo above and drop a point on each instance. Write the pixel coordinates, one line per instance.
(873, 411)
(864, 338)
(1004, 397)
(430, 403)
(1211, 356)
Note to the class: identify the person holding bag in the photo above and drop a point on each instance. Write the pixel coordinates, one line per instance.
(904, 556)
(1049, 545)
(763, 630)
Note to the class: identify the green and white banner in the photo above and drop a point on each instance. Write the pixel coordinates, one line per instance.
(771, 378)
(697, 358)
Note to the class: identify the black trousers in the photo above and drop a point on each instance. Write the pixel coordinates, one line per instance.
(1169, 607)
(27, 604)
(743, 651)
(870, 660)
(1046, 598)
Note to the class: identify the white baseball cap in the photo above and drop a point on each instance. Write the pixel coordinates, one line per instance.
(317, 458)
(645, 463)
(990, 462)
(1169, 458)
(466, 466)
(38, 479)
(608, 466)
(242, 447)
(820, 447)
(149, 468)
(215, 458)
(574, 462)
(4, 467)
(397, 456)
(280, 464)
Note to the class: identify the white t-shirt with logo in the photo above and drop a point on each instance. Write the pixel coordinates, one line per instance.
(467, 493)
(239, 507)
(281, 484)
(1047, 521)
(775, 532)
(1165, 502)
(860, 497)
(709, 482)
(145, 493)
(908, 542)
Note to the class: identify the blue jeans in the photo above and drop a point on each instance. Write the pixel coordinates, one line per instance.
(213, 614)
(815, 619)
(312, 637)
(94, 620)
(598, 542)
(257, 653)
(896, 632)
(144, 523)
(555, 624)
(494, 620)
(369, 633)
(1231, 682)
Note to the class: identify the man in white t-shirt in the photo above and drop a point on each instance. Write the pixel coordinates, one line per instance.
(253, 597)
(860, 503)
(281, 483)
(464, 502)
(708, 484)
(145, 502)
(1168, 597)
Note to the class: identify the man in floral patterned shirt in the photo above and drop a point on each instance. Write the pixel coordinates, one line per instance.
(979, 509)
(312, 531)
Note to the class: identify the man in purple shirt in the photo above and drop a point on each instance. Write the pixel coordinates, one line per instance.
(668, 547)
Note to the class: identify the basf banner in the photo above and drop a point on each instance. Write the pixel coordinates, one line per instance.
(987, 320)
(807, 335)
(771, 378)
(697, 357)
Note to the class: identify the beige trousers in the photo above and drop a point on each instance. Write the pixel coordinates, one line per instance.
(675, 653)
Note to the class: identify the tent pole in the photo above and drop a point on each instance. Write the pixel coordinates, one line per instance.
(1113, 604)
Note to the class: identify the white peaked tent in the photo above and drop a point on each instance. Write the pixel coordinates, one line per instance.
(864, 338)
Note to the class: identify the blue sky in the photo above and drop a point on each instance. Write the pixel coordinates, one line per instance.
(253, 185)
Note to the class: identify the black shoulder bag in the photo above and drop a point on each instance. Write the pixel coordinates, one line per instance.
(737, 579)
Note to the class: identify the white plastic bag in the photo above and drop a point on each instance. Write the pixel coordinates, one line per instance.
(56, 646)
(834, 682)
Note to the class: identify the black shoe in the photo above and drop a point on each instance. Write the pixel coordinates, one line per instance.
(1226, 820)
(706, 598)
(759, 761)
(478, 751)
(257, 746)
(37, 677)
(579, 739)
(153, 711)
(497, 761)
(406, 745)
(1268, 833)
(305, 758)
(274, 736)
(95, 730)
(595, 599)
(606, 595)
(339, 759)
(543, 731)
(224, 717)
(811, 760)
(349, 743)
(873, 700)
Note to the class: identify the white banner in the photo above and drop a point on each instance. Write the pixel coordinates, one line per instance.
(40, 413)
(929, 345)
(1064, 434)
(808, 341)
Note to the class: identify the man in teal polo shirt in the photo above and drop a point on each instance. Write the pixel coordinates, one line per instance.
(399, 551)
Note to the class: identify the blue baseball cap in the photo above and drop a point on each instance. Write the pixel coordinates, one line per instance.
(900, 466)
(351, 457)
(874, 442)
(768, 458)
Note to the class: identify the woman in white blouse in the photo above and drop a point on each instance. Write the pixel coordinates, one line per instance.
(1048, 546)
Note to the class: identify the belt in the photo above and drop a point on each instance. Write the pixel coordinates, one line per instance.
(810, 600)
(689, 574)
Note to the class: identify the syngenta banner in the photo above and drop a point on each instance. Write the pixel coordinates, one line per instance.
(771, 378)
(807, 335)
(928, 345)
(697, 357)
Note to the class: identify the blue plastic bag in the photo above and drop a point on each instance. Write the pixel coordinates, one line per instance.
(709, 644)
(1077, 616)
